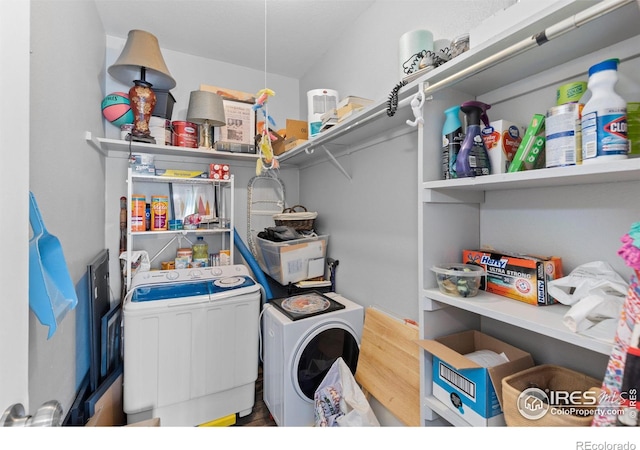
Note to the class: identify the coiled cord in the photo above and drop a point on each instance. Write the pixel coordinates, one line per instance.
(392, 103)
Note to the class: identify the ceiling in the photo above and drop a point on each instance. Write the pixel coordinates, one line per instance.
(233, 31)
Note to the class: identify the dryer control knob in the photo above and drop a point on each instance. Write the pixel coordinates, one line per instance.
(173, 275)
(216, 272)
(195, 273)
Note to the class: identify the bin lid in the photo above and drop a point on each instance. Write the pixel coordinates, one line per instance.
(173, 291)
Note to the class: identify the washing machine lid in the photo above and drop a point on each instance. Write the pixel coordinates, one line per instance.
(178, 290)
(305, 305)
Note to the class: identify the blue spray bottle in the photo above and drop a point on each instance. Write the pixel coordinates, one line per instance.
(452, 137)
(473, 158)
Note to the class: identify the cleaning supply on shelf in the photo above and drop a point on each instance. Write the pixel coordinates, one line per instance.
(452, 137)
(530, 154)
(200, 253)
(502, 139)
(604, 116)
(473, 158)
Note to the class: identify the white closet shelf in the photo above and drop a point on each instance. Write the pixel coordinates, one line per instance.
(114, 147)
(368, 124)
(544, 320)
(177, 180)
(165, 233)
(472, 189)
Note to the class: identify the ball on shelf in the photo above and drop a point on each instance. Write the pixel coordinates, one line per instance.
(116, 108)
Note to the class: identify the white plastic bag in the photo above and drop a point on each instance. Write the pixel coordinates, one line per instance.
(595, 293)
(339, 401)
(140, 262)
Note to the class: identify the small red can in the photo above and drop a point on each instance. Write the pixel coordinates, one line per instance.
(184, 134)
(219, 171)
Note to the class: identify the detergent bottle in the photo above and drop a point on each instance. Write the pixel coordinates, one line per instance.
(604, 116)
(452, 137)
(473, 158)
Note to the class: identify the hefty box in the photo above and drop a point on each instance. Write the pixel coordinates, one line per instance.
(517, 276)
(468, 381)
(502, 139)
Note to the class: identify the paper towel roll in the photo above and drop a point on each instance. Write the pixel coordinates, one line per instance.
(412, 43)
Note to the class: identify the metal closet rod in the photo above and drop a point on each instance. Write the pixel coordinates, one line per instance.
(552, 32)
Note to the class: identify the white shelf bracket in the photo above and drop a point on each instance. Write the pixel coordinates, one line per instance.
(336, 163)
(95, 144)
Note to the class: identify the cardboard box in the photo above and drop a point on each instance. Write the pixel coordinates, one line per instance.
(108, 410)
(502, 139)
(298, 129)
(470, 390)
(294, 260)
(231, 94)
(520, 277)
(530, 154)
(292, 143)
(295, 133)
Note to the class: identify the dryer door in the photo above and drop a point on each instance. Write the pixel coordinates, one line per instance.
(317, 354)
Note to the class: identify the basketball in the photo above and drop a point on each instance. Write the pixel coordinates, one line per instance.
(116, 108)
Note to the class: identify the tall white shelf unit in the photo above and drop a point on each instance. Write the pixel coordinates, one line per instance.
(525, 211)
(577, 212)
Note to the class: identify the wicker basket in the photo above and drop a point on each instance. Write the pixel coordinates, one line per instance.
(547, 378)
(298, 220)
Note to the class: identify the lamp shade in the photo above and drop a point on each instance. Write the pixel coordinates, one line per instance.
(142, 50)
(206, 106)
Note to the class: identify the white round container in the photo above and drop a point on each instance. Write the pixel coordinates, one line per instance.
(411, 44)
(604, 116)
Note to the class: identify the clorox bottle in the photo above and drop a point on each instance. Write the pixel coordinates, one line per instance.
(604, 116)
(473, 158)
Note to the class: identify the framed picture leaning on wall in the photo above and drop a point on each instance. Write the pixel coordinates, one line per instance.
(238, 135)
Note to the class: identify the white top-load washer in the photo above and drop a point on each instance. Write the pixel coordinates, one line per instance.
(299, 349)
(191, 344)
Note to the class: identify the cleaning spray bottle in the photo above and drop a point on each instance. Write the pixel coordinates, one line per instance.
(452, 137)
(473, 158)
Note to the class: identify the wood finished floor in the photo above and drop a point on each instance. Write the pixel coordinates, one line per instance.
(260, 416)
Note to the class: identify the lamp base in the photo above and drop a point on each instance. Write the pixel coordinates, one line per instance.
(143, 101)
(147, 139)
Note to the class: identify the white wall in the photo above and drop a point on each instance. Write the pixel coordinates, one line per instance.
(14, 191)
(66, 175)
(191, 71)
(372, 220)
(365, 60)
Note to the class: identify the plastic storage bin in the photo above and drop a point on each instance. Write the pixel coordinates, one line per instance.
(293, 261)
(459, 280)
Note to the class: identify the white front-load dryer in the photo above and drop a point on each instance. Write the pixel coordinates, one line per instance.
(297, 354)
